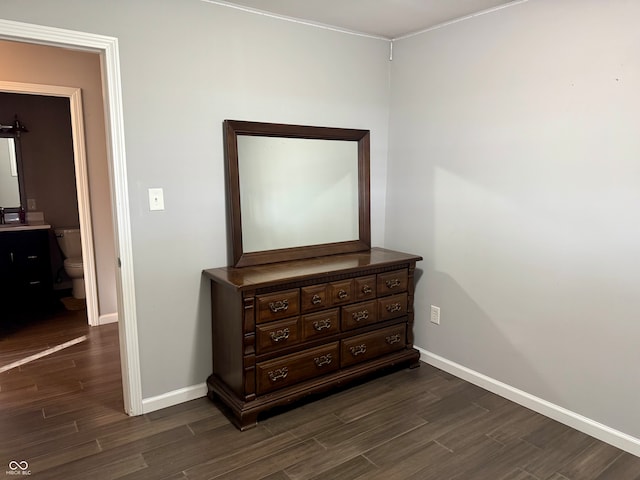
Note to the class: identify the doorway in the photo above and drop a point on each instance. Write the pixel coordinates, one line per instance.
(107, 48)
(81, 182)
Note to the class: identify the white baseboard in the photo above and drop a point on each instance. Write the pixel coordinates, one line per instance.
(108, 318)
(174, 397)
(602, 432)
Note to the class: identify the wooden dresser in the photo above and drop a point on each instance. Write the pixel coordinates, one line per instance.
(286, 330)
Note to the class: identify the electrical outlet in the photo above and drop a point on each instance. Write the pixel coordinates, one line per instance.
(156, 199)
(31, 204)
(435, 314)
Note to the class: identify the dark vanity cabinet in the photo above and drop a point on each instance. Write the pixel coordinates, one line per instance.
(25, 271)
(287, 330)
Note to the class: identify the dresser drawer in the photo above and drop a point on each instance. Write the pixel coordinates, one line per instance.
(358, 315)
(392, 282)
(320, 324)
(341, 292)
(365, 288)
(277, 305)
(371, 345)
(393, 306)
(314, 297)
(296, 367)
(274, 335)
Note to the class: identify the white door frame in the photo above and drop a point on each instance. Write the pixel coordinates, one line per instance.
(82, 182)
(107, 47)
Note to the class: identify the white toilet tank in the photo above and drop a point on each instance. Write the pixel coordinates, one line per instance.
(69, 241)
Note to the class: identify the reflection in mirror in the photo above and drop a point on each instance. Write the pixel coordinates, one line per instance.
(9, 186)
(297, 191)
(12, 194)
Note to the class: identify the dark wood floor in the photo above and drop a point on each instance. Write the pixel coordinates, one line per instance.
(63, 415)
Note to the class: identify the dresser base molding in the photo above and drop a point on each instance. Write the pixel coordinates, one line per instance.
(245, 414)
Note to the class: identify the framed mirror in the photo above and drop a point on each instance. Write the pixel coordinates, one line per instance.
(12, 192)
(295, 191)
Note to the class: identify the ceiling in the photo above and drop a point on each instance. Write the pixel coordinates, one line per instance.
(381, 18)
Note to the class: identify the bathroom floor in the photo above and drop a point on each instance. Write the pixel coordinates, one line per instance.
(35, 315)
(28, 335)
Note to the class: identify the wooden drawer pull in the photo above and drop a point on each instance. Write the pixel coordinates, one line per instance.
(342, 294)
(391, 339)
(322, 324)
(323, 360)
(361, 315)
(280, 335)
(358, 349)
(393, 283)
(278, 374)
(366, 289)
(316, 299)
(279, 306)
(394, 307)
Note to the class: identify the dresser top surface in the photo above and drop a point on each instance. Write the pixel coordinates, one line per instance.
(262, 275)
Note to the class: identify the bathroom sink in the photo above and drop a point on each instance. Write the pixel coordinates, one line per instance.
(23, 226)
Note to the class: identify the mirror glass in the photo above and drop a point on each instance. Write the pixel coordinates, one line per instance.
(9, 187)
(9, 177)
(295, 191)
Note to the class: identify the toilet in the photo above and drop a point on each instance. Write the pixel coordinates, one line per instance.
(69, 241)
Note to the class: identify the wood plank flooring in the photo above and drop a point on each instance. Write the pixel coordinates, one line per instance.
(63, 414)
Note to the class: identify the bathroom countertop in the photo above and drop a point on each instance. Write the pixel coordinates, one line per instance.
(21, 226)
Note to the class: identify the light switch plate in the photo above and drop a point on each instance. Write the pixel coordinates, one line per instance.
(156, 199)
(435, 315)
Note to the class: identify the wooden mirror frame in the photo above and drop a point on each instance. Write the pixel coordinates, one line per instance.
(237, 257)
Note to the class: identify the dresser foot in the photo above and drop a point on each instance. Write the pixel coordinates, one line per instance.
(246, 421)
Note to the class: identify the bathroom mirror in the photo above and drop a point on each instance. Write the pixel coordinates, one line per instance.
(12, 193)
(295, 191)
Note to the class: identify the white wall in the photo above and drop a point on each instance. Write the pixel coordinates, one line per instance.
(186, 66)
(514, 171)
